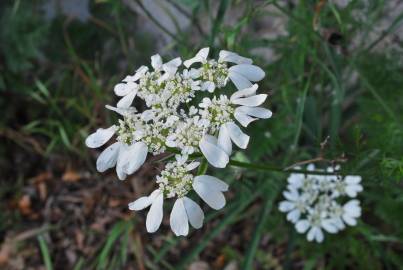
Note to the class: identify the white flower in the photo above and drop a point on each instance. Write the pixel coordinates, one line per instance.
(126, 158)
(314, 225)
(312, 202)
(176, 181)
(168, 119)
(128, 88)
(221, 113)
(188, 134)
(249, 101)
(216, 73)
(295, 205)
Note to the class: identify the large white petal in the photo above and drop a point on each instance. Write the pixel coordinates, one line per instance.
(349, 220)
(255, 111)
(319, 235)
(312, 233)
(251, 101)
(247, 92)
(127, 100)
(224, 140)
(213, 153)
(194, 212)
(286, 206)
(200, 57)
(212, 182)
(296, 179)
(100, 137)
(352, 208)
(108, 158)
(121, 111)
(243, 118)
(250, 72)
(302, 226)
(291, 195)
(329, 226)
(156, 62)
(294, 215)
(352, 190)
(240, 81)
(227, 56)
(215, 199)
(121, 90)
(154, 216)
(179, 219)
(122, 162)
(237, 136)
(140, 72)
(352, 179)
(137, 154)
(140, 203)
(176, 62)
(121, 172)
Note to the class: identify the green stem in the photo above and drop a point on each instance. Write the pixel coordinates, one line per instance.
(203, 167)
(273, 168)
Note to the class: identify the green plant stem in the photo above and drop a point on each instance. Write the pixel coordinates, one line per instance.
(262, 167)
(203, 167)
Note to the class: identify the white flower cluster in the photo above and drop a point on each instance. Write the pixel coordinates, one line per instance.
(315, 202)
(177, 121)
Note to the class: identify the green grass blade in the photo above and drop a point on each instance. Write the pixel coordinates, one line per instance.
(113, 236)
(218, 20)
(45, 252)
(264, 214)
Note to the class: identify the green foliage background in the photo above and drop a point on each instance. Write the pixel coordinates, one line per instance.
(56, 76)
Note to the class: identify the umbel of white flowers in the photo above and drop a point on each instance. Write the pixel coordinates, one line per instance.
(173, 119)
(317, 203)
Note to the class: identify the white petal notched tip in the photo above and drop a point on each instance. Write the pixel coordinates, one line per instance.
(214, 154)
(210, 189)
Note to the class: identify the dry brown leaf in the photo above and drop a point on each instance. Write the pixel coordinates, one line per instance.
(199, 265)
(24, 205)
(71, 175)
(113, 202)
(5, 252)
(42, 177)
(42, 190)
(79, 239)
(220, 262)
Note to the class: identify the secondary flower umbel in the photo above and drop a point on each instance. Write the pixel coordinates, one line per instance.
(186, 112)
(314, 202)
